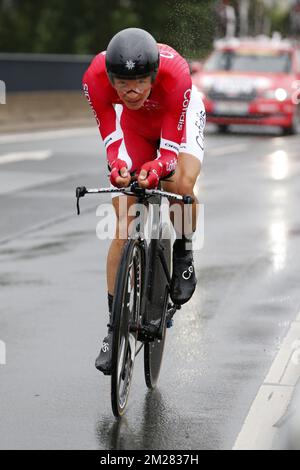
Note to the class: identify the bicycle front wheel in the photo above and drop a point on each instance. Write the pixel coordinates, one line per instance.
(126, 312)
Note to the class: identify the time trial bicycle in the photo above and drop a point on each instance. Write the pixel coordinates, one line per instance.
(142, 309)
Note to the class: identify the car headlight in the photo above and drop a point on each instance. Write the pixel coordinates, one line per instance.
(279, 94)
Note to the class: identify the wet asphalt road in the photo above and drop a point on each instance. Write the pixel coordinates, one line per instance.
(53, 299)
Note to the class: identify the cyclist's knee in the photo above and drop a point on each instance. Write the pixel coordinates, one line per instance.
(188, 170)
(170, 186)
(186, 184)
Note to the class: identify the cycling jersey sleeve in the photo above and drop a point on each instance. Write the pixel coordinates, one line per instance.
(174, 123)
(105, 115)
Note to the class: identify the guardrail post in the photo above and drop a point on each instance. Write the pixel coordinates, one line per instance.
(2, 92)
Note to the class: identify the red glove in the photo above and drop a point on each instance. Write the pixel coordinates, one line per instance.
(115, 172)
(154, 171)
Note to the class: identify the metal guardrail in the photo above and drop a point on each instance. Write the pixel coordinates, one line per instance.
(42, 72)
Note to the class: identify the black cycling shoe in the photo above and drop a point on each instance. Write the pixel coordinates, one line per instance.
(103, 361)
(184, 279)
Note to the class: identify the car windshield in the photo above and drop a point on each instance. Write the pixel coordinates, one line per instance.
(241, 61)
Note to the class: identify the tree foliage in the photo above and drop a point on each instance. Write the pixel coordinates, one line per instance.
(86, 26)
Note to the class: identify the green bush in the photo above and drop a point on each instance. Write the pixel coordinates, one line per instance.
(86, 26)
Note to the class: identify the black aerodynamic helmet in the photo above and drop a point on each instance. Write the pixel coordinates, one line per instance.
(132, 53)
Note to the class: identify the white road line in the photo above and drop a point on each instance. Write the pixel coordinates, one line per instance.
(47, 135)
(20, 156)
(215, 152)
(272, 401)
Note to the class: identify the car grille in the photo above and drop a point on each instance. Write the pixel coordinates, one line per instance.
(216, 96)
(236, 117)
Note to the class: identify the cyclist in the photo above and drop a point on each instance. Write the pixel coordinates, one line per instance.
(152, 122)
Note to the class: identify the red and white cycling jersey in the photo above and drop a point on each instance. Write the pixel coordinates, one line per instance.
(135, 135)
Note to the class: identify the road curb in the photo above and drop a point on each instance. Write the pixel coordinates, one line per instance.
(262, 424)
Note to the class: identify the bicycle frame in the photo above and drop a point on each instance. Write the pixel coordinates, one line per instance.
(148, 292)
(143, 197)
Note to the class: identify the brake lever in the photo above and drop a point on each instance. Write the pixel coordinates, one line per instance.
(80, 192)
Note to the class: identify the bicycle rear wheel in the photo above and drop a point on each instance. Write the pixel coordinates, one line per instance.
(156, 309)
(126, 312)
